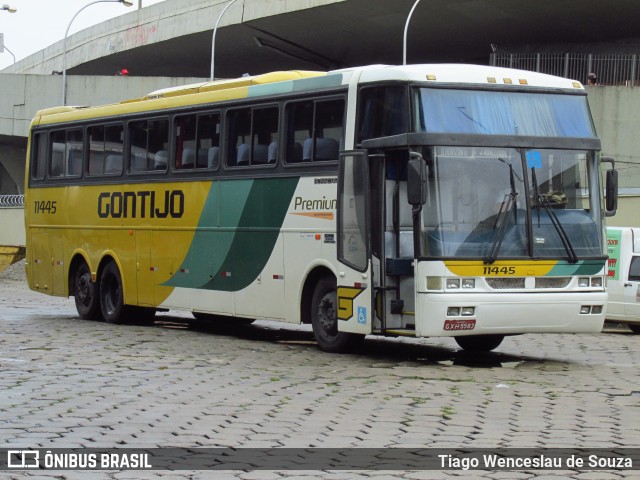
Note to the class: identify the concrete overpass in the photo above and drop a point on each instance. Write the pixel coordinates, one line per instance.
(256, 36)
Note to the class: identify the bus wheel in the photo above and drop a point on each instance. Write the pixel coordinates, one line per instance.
(111, 294)
(324, 319)
(480, 343)
(634, 328)
(86, 293)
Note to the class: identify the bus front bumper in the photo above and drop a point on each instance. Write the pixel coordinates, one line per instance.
(442, 314)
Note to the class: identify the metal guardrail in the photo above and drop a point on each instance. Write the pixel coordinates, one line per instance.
(11, 201)
(613, 70)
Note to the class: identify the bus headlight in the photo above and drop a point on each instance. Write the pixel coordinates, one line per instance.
(596, 282)
(453, 283)
(596, 309)
(467, 311)
(468, 283)
(583, 282)
(453, 311)
(585, 310)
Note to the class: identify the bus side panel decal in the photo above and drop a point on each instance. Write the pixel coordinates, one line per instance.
(229, 255)
(211, 243)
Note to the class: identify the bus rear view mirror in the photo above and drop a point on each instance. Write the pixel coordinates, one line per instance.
(611, 193)
(611, 188)
(416, 180)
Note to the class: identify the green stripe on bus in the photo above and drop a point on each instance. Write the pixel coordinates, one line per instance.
(583, 267)
(236, 234)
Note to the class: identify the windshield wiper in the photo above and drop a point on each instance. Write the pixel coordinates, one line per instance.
(504, 219)
(544, 201)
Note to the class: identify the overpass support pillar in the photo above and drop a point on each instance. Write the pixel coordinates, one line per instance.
(12, 163)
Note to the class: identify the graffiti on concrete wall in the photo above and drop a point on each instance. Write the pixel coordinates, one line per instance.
(131, 38)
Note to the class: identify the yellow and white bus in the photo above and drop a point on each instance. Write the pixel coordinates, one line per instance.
(424, 200)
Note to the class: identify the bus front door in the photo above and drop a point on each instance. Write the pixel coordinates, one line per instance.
(376, 282)
(354, 295)
(392, 245)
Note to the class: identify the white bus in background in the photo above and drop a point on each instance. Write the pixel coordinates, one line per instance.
(623, 244)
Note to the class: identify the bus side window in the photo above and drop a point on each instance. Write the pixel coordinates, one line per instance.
(95, 134)
(148, 145)
(315, 130)
(113, 148)
(197, 141)
(239, 134)
(105, 149)
(208, 141)
(265, 136)
(57, 141)
(185, 142)
(39, 156)
(299, 128)
(253, 136)
(329, 121)
(74, 148)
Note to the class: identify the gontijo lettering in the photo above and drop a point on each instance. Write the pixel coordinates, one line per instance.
(143, 204)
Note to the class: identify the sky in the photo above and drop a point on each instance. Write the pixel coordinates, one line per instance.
(40, 23)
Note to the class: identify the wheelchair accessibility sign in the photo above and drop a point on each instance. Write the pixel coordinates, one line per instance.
(362, 315)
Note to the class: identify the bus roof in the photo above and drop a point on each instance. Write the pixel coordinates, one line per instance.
(299, 80)
(462, 74)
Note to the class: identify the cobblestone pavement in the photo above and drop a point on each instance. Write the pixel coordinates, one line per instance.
(66, 382)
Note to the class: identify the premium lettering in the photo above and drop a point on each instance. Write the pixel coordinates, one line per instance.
(320, 204)
(143, 204)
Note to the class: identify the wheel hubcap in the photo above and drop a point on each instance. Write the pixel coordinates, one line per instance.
(327, 313)
(83, 289)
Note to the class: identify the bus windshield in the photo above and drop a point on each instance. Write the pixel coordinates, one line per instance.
(502, 113)
(498, 203)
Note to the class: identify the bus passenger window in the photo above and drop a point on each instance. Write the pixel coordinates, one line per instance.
(329, 120)
(74, 151)
(265, 136)
(105, 150)
(66, 148)
(148, 147)
(39, 158)
(56, 154)
(113, 148)
(239, 122)
(95, 135)
(185, 142)
(314, 130)
(299, 128)
(208, 141)
(253, 136)
(197, 141)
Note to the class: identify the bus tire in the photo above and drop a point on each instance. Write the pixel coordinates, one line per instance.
(85, 293)
(324, 319)
(479, 343)
(111, 294)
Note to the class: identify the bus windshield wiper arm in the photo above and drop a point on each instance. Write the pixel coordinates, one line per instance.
(544, 201)
(502, 227)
